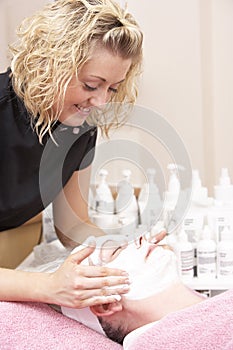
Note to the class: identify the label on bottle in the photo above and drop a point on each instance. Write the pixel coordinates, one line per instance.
(206, 263)
(221, 222)
(225, 263)
(186, 262)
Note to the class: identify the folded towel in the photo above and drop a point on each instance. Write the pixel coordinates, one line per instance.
(204, 326)
(33, 326)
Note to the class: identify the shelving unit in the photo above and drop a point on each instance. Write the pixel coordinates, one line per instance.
(210, 286)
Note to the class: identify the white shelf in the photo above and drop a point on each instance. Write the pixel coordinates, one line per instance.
(210, 284)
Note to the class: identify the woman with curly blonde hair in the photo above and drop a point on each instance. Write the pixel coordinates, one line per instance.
(74, 70)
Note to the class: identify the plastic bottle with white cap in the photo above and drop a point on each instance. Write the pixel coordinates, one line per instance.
(225, 255)
(206, 255)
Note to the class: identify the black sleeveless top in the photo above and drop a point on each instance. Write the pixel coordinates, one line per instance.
(31, 174)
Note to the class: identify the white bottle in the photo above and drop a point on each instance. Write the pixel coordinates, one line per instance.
(225, 255)
(104, 199)
(192, 225)
(184, 252)
(173, 191)
(199, 193)
(126, 201)
(149, 201)
(171, 213)
(223, 192)
(219, 217)
(206, 255)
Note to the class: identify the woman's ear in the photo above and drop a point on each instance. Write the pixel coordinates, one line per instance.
(106, 309)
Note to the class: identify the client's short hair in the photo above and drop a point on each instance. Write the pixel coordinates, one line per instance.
(117, 334)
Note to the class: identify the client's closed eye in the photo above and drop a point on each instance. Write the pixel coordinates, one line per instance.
(118, 250)
(110, 250)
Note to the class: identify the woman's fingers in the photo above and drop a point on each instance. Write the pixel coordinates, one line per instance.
(85, 282)
(101, 271)
(89, 297)
(78, 285)
(95, 300)
(82, 254)
(83, 294)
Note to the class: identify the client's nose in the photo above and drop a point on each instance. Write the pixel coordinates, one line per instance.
(110, 249)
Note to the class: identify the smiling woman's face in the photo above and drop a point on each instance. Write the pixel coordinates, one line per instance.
(151, 268)
(97, 81)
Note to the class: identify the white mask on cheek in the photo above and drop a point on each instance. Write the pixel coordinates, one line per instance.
(148, 276)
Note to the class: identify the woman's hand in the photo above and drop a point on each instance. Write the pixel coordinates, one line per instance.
(78, 286)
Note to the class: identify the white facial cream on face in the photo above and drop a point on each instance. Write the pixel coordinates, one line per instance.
(148, 275)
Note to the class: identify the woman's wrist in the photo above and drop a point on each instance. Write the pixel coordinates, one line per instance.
(24, 286)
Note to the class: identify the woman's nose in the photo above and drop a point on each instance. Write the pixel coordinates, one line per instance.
(99, 99)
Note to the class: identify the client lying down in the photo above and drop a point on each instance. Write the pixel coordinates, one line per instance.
(155, 290)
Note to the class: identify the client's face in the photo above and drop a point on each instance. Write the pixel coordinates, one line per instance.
(151, 268)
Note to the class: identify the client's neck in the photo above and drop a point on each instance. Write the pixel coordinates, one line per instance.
(172, 299)
(175, 298)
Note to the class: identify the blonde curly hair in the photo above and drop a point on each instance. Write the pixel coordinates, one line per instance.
(54, 44)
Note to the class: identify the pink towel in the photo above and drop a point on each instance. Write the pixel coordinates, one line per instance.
(204, 326)
(35, 326)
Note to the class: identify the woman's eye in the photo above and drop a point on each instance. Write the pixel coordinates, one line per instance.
(89, 88)
(113, 90)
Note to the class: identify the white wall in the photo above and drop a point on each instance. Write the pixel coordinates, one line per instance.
(223, 83)
(12, 12)
(188, 73)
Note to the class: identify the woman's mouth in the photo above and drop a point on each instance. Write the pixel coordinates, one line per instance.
(84, 111)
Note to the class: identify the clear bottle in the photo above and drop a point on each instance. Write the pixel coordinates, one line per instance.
(184, 252)
(126, 204)
(206, 255)
(126, 201)
(223, 192)
(173, 191)
(104, 199)
(149, 201)
(225, 255)
(199, 193)
(170, 212)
